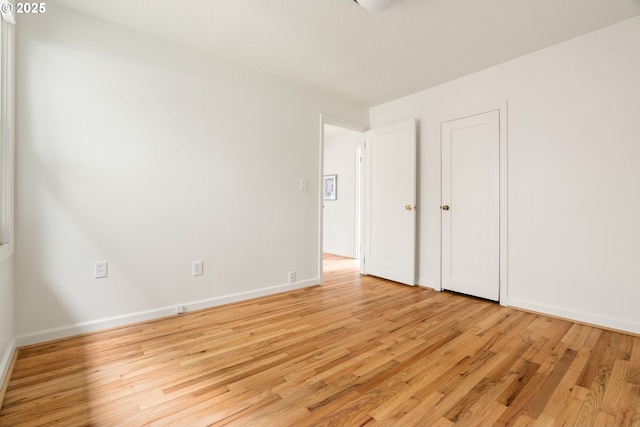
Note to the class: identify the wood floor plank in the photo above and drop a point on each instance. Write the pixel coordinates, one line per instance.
(354, 351)
(486, 416)
(562, 394)
(614, 390)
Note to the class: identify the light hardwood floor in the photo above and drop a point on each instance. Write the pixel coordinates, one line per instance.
(355, 351)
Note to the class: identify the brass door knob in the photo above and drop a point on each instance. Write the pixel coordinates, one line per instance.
(445, 208)
(408, 207)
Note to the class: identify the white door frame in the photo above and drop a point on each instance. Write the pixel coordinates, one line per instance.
(502, 108)
(330, 120)
(359, 166)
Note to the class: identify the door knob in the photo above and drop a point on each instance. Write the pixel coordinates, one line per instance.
(445, 208)
(408, 207)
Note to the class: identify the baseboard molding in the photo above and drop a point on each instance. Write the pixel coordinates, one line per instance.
(242, 296)
(578, 316)
(5, 368)
(144, 316)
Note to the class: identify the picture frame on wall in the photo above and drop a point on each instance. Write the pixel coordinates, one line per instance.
(330, 188)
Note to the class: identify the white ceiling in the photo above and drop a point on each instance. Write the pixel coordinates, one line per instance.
(367, 57)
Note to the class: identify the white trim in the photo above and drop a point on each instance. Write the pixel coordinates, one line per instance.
(323, 119)
(502, 107)
(335, 121)
(578, 316)
(7, 73)
(359, 156)
(326, 119)
(5, 364)
(149, 315)
(504, 205)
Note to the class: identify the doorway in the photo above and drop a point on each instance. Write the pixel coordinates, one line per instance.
(341, 189)
(385, 218)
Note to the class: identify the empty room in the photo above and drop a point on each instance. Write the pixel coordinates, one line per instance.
(320, 212)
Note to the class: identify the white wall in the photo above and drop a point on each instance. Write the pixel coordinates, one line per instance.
(339, 227)
(135, 151)
(7, 330)
(573, 173)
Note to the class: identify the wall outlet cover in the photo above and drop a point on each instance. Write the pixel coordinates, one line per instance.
(100, 269)
(198, 268)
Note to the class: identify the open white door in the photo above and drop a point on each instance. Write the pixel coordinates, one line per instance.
(390, 202)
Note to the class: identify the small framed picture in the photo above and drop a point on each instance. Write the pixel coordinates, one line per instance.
(330, 187)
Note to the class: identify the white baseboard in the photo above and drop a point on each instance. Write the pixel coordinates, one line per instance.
(6, 362)
(241, 296)
(143, 316)
(578, 316)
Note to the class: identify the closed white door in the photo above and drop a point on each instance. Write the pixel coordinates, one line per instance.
(470, 206)
(390, 202)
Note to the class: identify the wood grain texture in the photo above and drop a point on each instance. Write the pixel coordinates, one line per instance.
(355, 351)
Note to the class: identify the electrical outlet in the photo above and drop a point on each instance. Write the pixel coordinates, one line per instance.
(197, 268)
(180, 309)
(100, 269)
(304, 184)
(292, 277)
